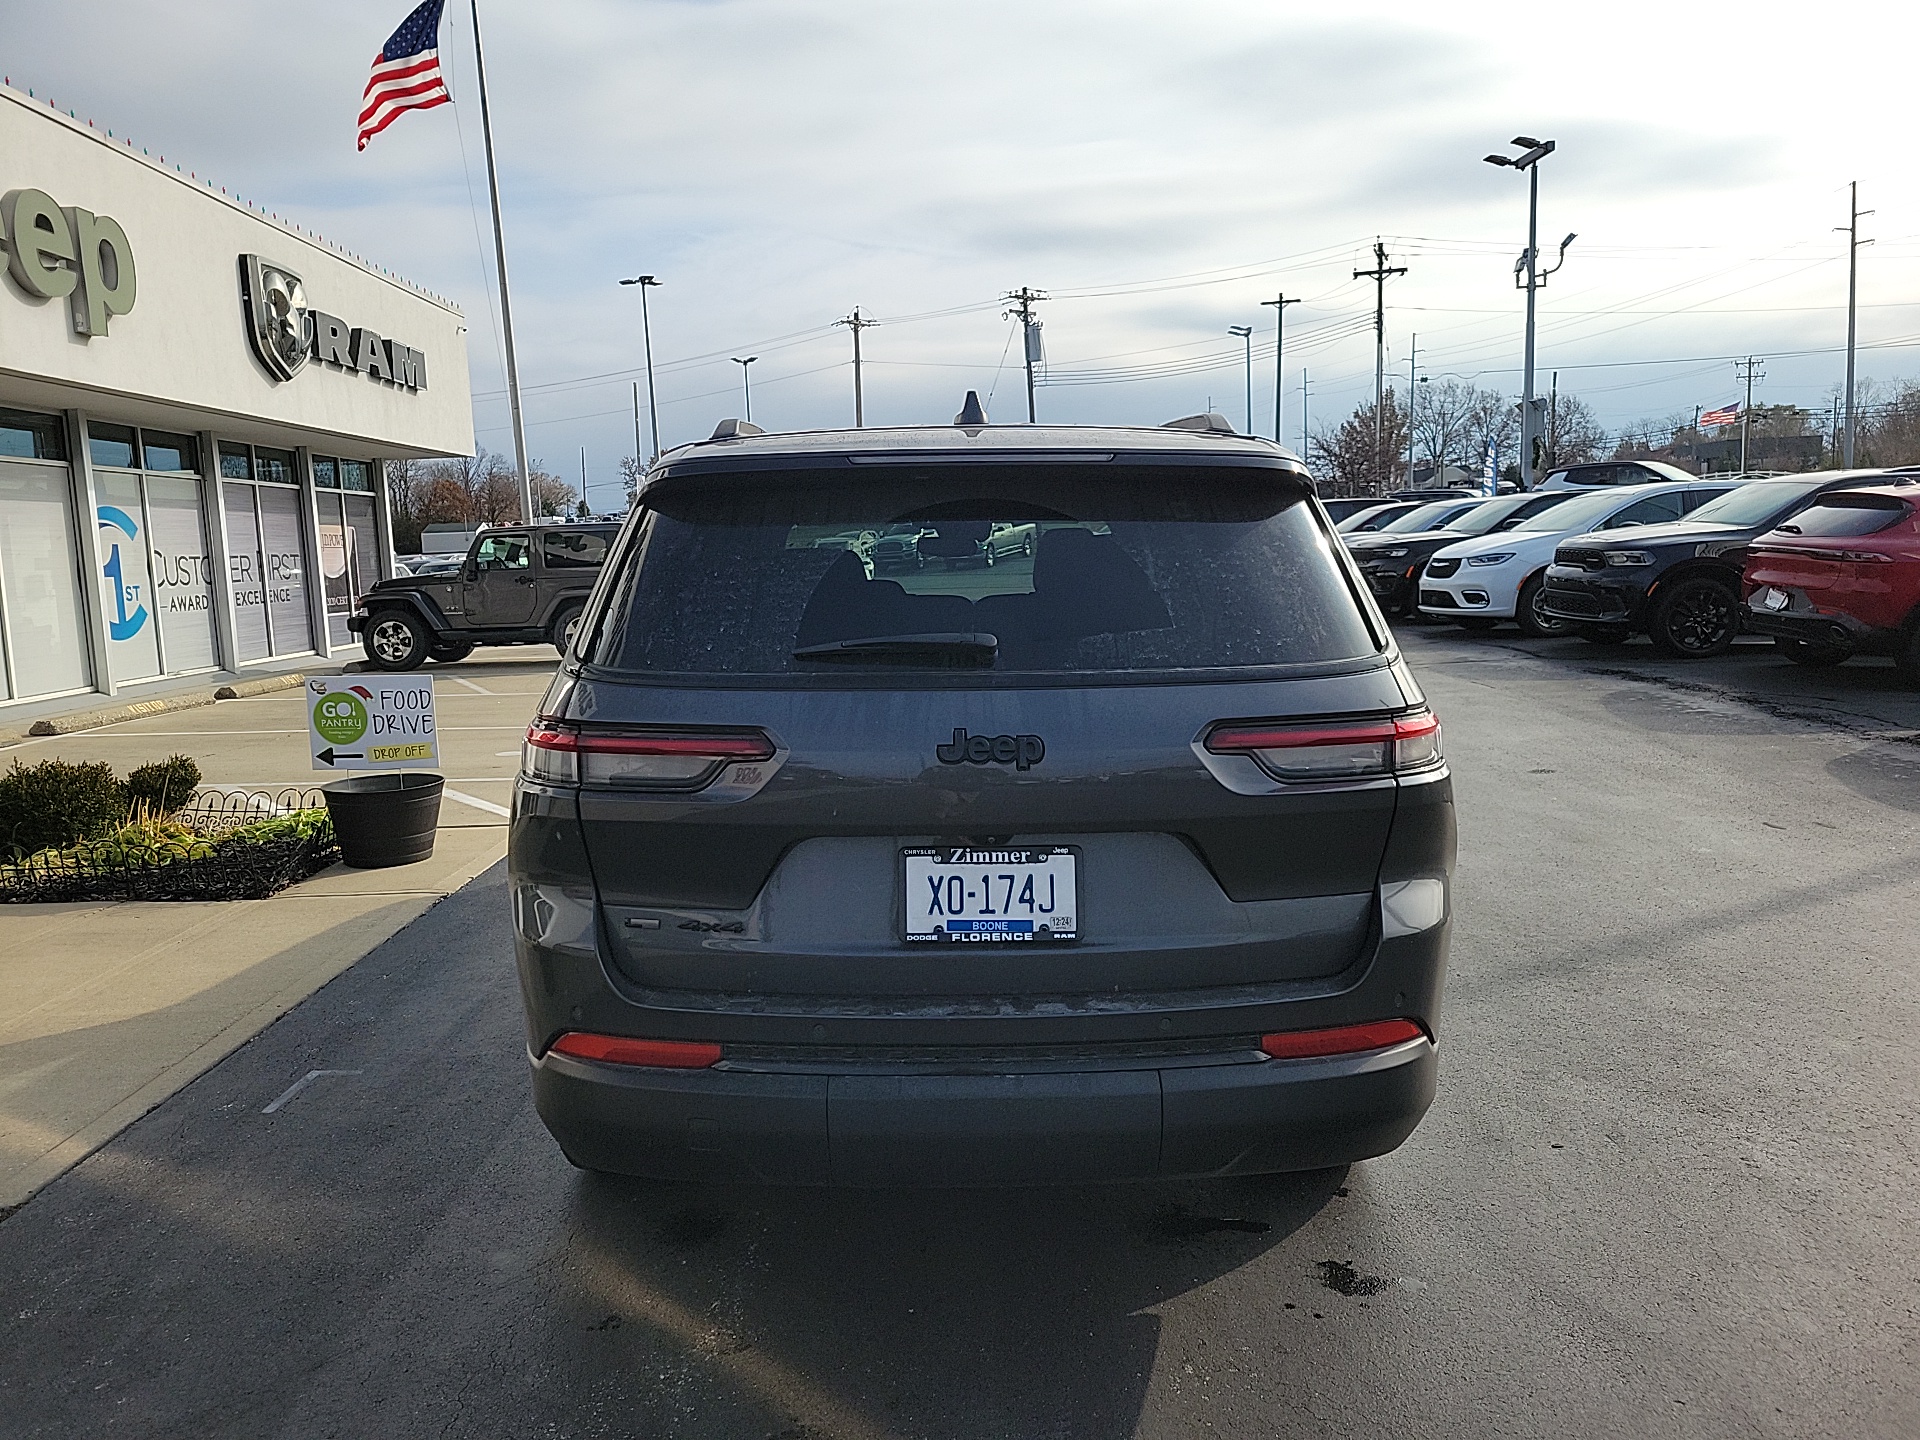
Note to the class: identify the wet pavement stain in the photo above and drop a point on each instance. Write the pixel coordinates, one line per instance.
(1342, 1278)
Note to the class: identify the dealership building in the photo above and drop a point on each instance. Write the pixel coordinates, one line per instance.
(198, 405)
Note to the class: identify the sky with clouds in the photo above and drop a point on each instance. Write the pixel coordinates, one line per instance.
(1157, 169)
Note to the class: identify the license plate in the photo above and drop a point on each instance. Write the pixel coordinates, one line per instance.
(980, 895)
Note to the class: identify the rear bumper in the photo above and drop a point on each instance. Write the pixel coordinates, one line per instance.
(914, 1128)
(1834, 630)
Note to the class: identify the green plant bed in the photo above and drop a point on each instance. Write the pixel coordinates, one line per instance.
(164, 859)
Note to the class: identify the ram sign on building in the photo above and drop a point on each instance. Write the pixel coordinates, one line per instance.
(198, 404)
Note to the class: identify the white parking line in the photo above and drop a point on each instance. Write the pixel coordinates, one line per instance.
(477, 803)
(477, 689)
(302, 1083)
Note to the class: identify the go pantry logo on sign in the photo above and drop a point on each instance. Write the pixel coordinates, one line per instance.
(382, 726)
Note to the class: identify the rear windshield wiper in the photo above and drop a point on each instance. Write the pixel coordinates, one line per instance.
(957, 650)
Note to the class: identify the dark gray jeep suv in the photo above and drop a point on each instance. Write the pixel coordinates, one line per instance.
(1122, 859)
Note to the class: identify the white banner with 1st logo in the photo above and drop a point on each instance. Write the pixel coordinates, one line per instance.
(362, 723)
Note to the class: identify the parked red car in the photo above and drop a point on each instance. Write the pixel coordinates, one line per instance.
(1842, 578)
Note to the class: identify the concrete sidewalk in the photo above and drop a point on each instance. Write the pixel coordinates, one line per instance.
(108, 1009)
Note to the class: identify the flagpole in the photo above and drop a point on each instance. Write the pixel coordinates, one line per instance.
(500, 264)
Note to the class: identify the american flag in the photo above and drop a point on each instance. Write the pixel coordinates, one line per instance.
(406, 72)
(1725, 415)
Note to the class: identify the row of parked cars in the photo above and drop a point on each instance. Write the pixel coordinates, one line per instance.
(1826, 563)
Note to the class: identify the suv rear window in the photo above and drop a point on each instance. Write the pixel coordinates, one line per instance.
(1848, 515)
(1013, 569)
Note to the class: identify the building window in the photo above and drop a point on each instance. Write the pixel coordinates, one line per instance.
(32, 437)
(274, 467)
(163, 451)
(236, 462)
(326, 472)
(356, 475)
(114, 445)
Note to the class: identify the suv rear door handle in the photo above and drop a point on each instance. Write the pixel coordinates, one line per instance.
(524, 580)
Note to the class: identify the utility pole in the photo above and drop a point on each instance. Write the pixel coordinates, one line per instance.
(1552, 447)
(1749, 370)
(1413, 360)
(1303, 412)
(1279, 304)
(1528, 275)
(1854, 242)
(583, 472)
(1023, 299)
(1245, 333)
(856, 323)
(1379, 275)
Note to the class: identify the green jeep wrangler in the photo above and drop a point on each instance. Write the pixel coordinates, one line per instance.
(519, 584)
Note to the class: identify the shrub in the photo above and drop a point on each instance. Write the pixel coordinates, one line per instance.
(164, 786)
(55, 804)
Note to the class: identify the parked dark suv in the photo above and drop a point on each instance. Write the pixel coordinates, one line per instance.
(518, 584)
(1126, 858)
(1680, 583)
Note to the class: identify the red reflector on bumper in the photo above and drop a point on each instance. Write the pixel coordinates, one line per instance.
(621, 1050)
(1342, 1040)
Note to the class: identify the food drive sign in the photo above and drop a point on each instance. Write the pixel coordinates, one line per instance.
(381, 725)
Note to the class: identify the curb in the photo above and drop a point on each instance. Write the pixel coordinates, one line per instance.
(114, 715)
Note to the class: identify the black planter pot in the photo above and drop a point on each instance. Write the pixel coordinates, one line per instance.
(383, 820)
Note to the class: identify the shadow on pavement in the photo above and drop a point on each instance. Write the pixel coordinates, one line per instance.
(939, 1313)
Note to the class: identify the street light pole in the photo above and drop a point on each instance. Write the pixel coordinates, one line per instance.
(1245, 332)
(1535, 277)
(646, 283)
(745, 387)
(1279, 304)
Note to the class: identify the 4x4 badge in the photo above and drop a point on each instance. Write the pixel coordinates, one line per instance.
(1021, 751)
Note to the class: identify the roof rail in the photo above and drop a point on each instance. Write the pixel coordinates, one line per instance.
(735, 430)
(1212, 422)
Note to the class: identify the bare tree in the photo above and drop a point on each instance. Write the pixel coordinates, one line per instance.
(632, 468)
(551, 494)
(1351, 460)
(406, 499)
(1573, 434)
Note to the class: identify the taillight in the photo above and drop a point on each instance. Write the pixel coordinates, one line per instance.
(1336, 750)
(654, 759)
(621, 1050)
(1340, 1040)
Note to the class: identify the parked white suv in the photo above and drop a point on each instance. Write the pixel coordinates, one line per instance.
(1480, 582)
(1613, 473)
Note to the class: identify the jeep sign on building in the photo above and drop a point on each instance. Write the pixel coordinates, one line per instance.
(198, 402)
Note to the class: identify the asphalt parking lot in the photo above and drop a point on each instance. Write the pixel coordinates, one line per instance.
(1668, 1188)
